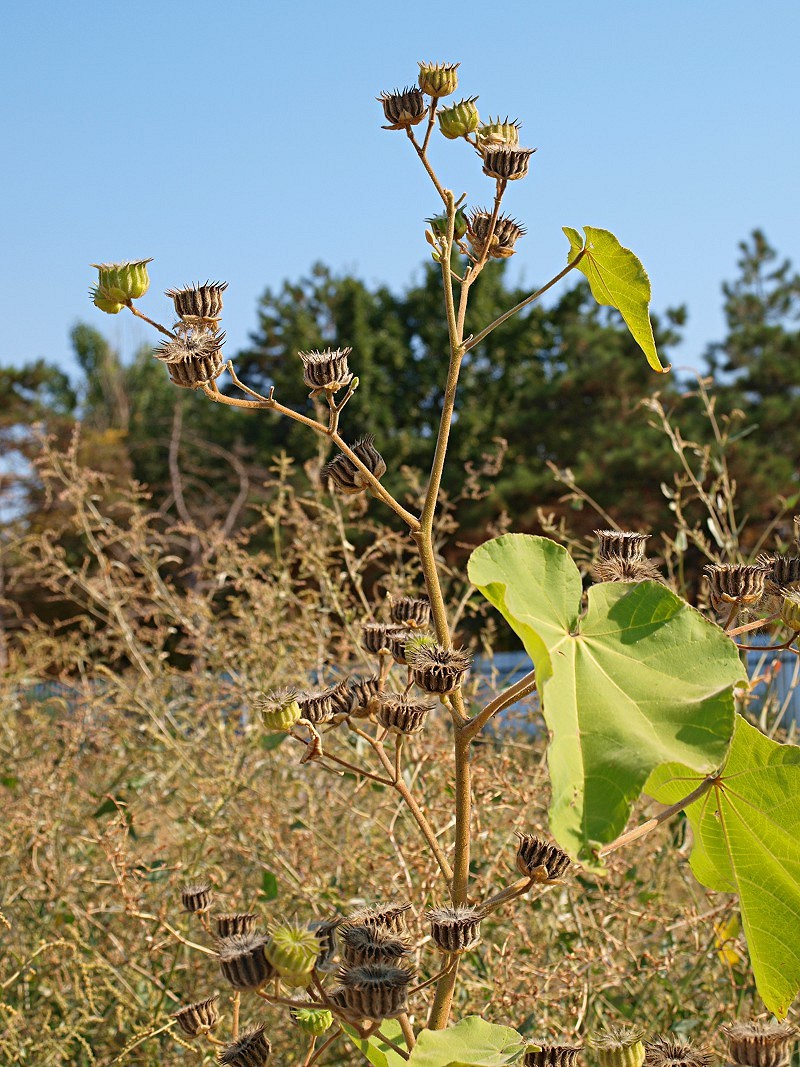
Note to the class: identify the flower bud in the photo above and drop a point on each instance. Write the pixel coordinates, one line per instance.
(403, 109)
(346, 476)
(326, 371)
(199, 305)
(437, 669)
(111, 307)
(669, 1052)
(292, 950)
(498, 131)
(403, 715)
(455, 929)
(438, 79)
(551, 1056)
(279, 709)
(459, 119)
(735, 583)
(199, 1018)
(251, 1049)
(122, 282)
(760, 1043)
(619, 1046)
(197, 898)
(312, 1021)
(506, 162)
(193, 357)
(539, 860)
(243, 962)
(438, 223)
(507, 232)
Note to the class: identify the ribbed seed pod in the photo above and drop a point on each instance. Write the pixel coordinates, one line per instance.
(551, 1056)
(199, 1018)
(376, 636)
(235, 923)
(312, 1021)
(498, 131)
(292, 950)
(410, 611)
(193, 357)
(619, 1046)
(279, 709)
(403, 108)
(199, 305)
(252, 1049)
(197, 898)
(375, 991)
(346, 476)
(364, 696)
(735, 583)
(506, 161)
(540, 860)
(438, 669)
(438, 79)
(326, 371)
(361, 944)
(403, 715)
(617, 569)
(121, 282)
(459, 119)
(398, 638)
(507, 232)
(621, 544)
(760, 1044)
(789, 609)
(319, 705)
(243, 962)
(455, 929)
(325, 933)
(667, 1051)
(387, 917)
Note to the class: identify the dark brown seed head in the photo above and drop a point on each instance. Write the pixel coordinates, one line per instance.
(784, 571)
(403, 108)
(364, 695)
(328, 370)
(760, 1044)
(375, 991)
(326, 935)
(361, 944)
(667, 1051)
(199, 1018)
(540, 860)
(252, 1049)
(387, 917)
(403, 715)
(399, 637)
(193, 357)
(197, 897)
(235, 923)
(616, 569)
(242, 960)
(410, 611)
(199, 305)
(321, 705)
(551, 1056)
(437, 669)
(507, 232)
(376, 636)
(346, 476)
(621, 544)
(735, 583)
(506, 161)
(455, 929)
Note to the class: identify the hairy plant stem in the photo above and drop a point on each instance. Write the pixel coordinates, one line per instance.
(657, 820)
(157, 325)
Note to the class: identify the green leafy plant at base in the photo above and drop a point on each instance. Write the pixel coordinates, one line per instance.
(633, 682)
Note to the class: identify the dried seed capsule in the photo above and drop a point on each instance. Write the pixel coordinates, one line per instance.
(279, 709)
(616, 569)
(621, 544)
(375, 991)
(317, 705)
(325, 933)
(362, 944)
(403, 715)
(292, 950)
(438, 79)
(506, 161)
(346, 476)
(540, 860)
(251, 1049)
(669, 1052)
(551, 1056)
(438, 669)
(199, 1018)
(498, 131)
(312, 1021)
(619, 1046)
(403, 108)
(326, 371)
(122, 282)
(193, 357)
(507, 232)
(364, 695)
(398, 639)
(735, 583)
(784, 571)
(243, 962)
(455, 929)
(199, 305)
(410, 611)
(235, 923)
(197, 898)
(376, 636)
(760, 1044)
(387, 917)
(459, 119)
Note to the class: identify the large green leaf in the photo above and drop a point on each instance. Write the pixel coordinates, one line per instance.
(472, 1042)
(640, 678)
(747, 841)
(377, 1052)
(617, 278)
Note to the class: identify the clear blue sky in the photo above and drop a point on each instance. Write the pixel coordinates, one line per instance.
(242, 141)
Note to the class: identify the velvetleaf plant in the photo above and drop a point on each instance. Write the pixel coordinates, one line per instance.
(635, 685)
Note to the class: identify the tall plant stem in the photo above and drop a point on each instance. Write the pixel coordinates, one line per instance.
(156, 325)
(667, 813)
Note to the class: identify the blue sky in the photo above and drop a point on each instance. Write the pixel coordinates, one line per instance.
(242, 141)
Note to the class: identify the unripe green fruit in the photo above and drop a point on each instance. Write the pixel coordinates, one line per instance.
(438, 79)
(439, 225)
(292, 951)
(101, 301)
(122, 282)
(313, 1022)
(282, 718)
(460, 119)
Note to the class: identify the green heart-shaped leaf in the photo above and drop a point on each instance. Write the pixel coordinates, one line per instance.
(472, 1042)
